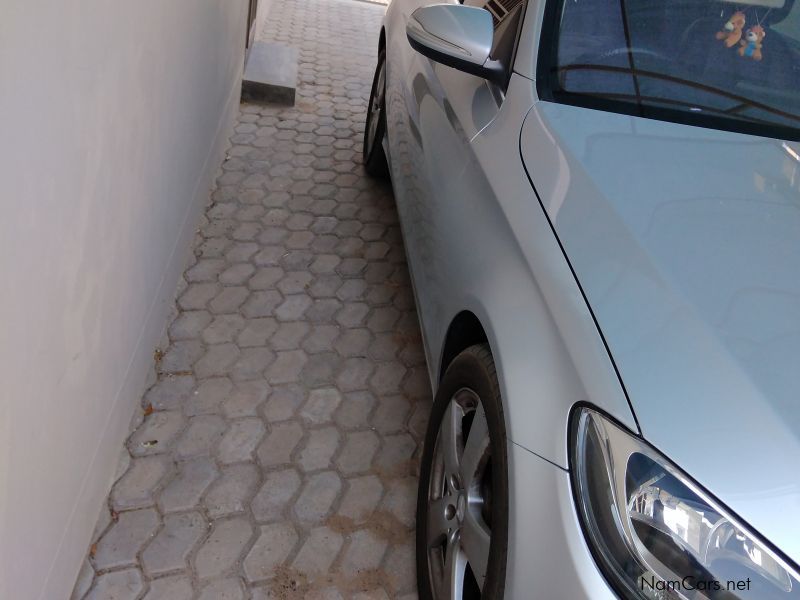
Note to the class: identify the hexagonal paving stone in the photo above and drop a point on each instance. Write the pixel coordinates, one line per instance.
(119, 585)
(189, 325)
(209, 396)
(228, 300)
(318, 449)
(198, 295)
(223, 589)
(237, 274)
(135, 488)
(401, 568)
(264, 278)
(283, 402)
(273, 545)
(156, 433)
(321, 405)
(387, 377)
(201, 436)
(191, 481)
(224, 328)
(294, 282)
(232, 492)
(180, 357)
(323, 310)
(320, 369)
(358, 451)
(123, 541)
(241, 440)
(354, 342)
(391, 414)
(362, 498)
(170, 549)
(261, 304)
(175, 587)
(293, 307)
(251, 363)
(246, 399)
(289, 335)
(395, 454)
(317, 497)
(216, 360)
(287, 366)
(257, 332)
(223, 548)
(170, 392)
(355, 410)
(364, 553)
(320, 339)
(401, 500)
(318, 551)
(273, 499)
(354, 374)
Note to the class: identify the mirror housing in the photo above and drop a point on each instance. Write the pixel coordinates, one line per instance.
(456, 35)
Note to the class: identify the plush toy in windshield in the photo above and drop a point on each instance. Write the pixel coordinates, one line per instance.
(732, 31)
(750, 46)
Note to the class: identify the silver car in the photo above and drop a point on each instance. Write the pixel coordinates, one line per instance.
(600, 202)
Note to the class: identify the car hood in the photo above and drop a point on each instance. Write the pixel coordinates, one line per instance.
(686, 242)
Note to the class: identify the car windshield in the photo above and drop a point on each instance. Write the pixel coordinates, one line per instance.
(725, 64)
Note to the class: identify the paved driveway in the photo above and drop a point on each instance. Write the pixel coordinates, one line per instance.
(280, 455)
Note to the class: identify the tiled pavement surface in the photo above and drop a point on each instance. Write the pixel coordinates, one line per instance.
(277, 452)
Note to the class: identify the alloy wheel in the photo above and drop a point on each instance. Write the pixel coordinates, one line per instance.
(459, 501)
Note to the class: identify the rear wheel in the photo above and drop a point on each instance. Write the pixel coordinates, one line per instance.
(462, 504)
(374, 156)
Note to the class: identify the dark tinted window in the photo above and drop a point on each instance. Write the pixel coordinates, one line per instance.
(716, 64)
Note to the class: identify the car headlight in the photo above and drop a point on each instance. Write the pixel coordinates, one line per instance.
(655, 533)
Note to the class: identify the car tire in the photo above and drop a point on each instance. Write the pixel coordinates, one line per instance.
(463, 494)
(374, 157)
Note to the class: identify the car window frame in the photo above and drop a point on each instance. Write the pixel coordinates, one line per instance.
(503, 85)
(513, 59)
(548, 90)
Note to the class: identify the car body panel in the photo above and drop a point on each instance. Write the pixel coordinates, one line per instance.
(547, 553)
(686, 242)
(478, 240)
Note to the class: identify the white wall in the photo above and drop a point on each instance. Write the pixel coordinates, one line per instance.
(114, 116)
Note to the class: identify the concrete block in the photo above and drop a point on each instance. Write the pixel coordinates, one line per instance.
(270, 73)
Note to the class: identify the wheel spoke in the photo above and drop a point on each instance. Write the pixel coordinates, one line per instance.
(476, 447)
(475, 541)
(437, 522)
(450, 434)
(454, 570)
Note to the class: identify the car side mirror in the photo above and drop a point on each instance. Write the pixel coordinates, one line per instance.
(457, 36)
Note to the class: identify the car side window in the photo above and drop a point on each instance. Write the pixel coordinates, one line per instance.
(723, 64)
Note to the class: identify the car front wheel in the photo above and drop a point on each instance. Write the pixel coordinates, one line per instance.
(374, 156)
(462, 504)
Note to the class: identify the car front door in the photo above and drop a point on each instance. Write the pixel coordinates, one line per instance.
(433, 114)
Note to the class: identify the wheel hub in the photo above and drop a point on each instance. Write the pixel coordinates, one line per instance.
(456, 509)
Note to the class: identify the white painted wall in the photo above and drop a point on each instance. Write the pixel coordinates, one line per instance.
(114, 116)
